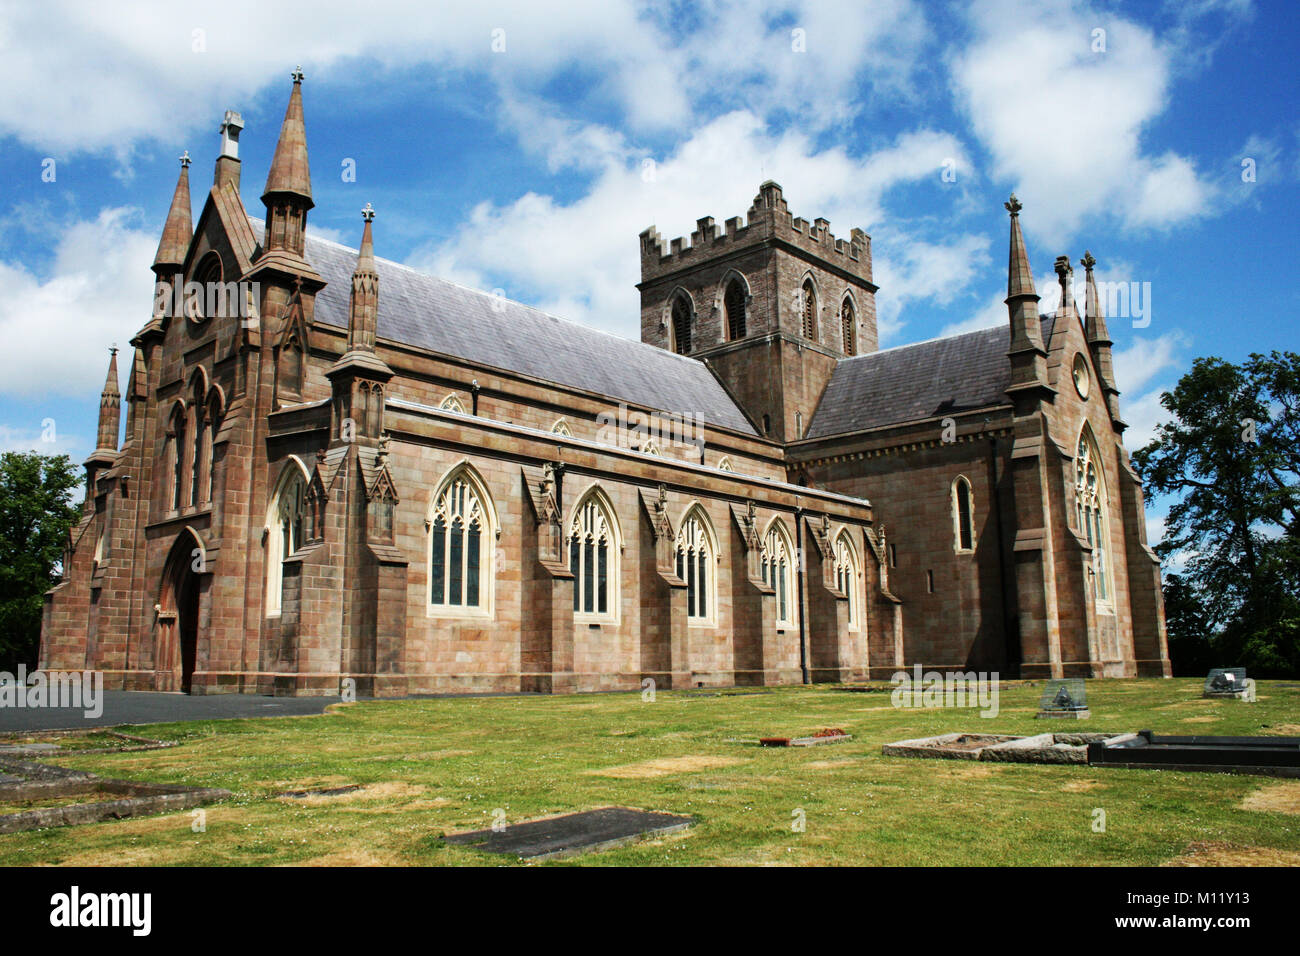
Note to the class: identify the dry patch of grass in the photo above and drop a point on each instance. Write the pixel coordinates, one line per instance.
(1233, 854)
(392, 790)
(1199, 720)
(1084, 786)
(354, 856)
(1277, 798)
(664, 766)
(829, 764)
(968, 769)
(1284, 730)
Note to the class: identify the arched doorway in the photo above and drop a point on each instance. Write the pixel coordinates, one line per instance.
(178, 614)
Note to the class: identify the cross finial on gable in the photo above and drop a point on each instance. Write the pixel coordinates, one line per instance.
(185, 159)
(1013, 205)
(1087, 261)
(113, 349)
(297, 74)
(368, 213)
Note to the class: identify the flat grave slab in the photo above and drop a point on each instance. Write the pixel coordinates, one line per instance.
(572, 833)
(79, 797)
(1000, 748)
(1269, 756)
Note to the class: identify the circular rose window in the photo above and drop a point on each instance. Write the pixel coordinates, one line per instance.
(1081, 379)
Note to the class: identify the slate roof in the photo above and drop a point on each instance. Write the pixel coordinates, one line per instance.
(430, 313)
(919, 381)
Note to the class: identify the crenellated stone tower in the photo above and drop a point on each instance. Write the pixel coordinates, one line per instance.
(770, 304)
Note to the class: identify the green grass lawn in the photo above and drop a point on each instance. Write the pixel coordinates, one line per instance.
(434, 766)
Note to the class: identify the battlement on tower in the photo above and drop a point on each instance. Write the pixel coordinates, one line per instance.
(768, 220)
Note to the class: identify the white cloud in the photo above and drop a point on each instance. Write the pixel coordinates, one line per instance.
(1144, 360)
(1064, 121)
(588, 265)
(55, 443)
(914, 270)
(102, 77)
(98, 291)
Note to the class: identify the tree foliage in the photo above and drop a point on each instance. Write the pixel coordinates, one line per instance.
(36, 512)
(1231, 459)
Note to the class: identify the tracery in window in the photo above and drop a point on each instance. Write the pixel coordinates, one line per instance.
(461, 545)
(695, 553)
(846, 575)
(776, 558)
(593, 558)
(1090, 510)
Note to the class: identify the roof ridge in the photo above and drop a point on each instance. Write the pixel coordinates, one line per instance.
(489, 295)
(1044, 317)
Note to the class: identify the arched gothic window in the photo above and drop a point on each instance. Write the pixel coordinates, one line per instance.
(212, 421)
(848, 327)
(561, 427)
(776, 557)
(733, 303)
(198, 426)
(461, 536)
(1090, 505)
(287, 530)
(452, 404)
(593, 559)
(808, 302)
(962, 515)
(695, 566)
(724, 463)
(846, 576)
(681, 325)
(176, 451)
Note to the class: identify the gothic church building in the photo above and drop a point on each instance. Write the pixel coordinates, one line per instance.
(339, 468)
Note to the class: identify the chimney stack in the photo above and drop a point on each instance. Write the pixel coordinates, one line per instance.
(227, 170)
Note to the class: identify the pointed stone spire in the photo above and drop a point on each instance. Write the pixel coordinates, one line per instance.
(289, 171)
(1098, 336)
(288, 183)
(1020, 278)
(1094, 325)
(110, 416)
(363, 314)
(1065, 277)
(178, 230)
(1028, 357)
(364, 308)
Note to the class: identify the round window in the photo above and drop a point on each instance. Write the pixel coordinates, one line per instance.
(1081, 378)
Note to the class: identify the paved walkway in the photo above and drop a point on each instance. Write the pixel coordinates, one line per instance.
(147, 707)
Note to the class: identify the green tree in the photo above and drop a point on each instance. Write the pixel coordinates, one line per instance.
(1231, 459)
(36, 511)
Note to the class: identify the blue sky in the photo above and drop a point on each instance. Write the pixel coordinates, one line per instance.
(523, 146)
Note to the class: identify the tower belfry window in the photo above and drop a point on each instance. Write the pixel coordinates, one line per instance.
(681, 326)
(808, 302)
(848, 327)
(733, 303)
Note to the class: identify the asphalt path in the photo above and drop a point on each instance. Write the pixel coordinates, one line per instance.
(148, 707)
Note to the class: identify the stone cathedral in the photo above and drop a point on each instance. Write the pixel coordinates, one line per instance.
(336, 468)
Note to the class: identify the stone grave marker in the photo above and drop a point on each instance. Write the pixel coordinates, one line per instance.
(1065, 698)
(1226, 682)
